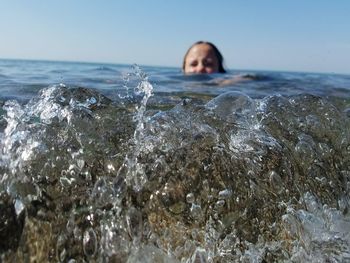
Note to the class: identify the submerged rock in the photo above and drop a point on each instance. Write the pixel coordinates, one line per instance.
(11, 224)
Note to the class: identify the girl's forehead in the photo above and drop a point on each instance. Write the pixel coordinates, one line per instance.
(201, 47)
(201, 50)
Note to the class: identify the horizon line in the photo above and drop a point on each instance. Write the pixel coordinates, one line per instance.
(172, 67)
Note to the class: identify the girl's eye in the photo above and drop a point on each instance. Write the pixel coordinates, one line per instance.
(208, 63)
(193, 64)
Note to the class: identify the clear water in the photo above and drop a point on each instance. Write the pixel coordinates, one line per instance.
(113, 163)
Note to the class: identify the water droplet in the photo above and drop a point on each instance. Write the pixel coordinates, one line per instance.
(110, 168)
(90, 218)
(251, 174)
(275, 179)
(19, 207)
(225, 194)
(196, 211)
(219, 205)
(66, 182)
(199, 256)
(205, 185)
(190, 198)
(77, 233)
(70, 224)
(305, 148)
(119, 186)
(135, 224)
(63, 255)
(89, 242)
(344, 204)
(87, 175)
(80, 164)
(99, 187)
(60, 248)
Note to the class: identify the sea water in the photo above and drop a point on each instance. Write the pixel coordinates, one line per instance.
(120, 163)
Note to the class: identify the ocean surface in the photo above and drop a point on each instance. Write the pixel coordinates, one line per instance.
(127, 163)
(23, 79)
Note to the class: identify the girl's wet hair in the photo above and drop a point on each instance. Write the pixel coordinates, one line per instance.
(216, 51)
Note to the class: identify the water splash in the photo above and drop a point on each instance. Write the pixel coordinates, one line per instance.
(117, 235)
(233, 180)
(132, 170)
(321, 233)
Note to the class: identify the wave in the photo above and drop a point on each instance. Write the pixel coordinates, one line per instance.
(233, 179)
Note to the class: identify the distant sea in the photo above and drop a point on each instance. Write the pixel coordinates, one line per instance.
(22, 79)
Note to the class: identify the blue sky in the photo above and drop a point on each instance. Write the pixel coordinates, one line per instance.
(294, 35)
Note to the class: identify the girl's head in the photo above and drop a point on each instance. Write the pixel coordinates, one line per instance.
(203, 57)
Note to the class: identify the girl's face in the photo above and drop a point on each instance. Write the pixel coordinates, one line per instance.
(201, 59)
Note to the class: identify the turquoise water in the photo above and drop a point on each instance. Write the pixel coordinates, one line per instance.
(119, 163)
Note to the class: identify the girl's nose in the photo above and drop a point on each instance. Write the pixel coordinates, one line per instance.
(201, 68)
